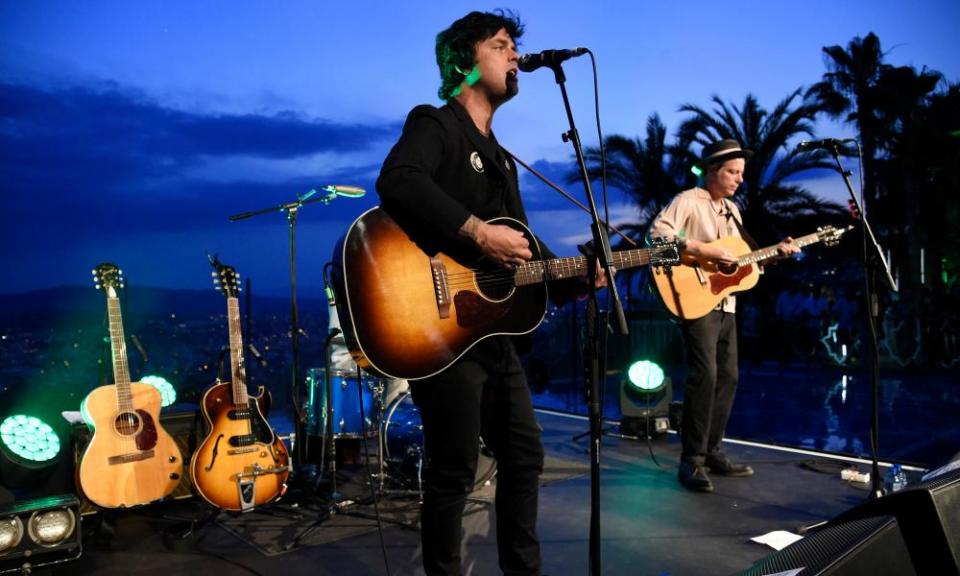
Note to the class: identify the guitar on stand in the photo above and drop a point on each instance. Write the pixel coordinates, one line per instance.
(131, 459)
(696, 286)
(241, 463)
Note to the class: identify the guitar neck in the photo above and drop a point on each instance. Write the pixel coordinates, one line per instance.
(771, 252)
(237, 373)
(574, 266)
(118, 348)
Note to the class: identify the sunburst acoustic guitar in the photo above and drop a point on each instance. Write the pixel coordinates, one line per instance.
(695, 287)
(241, 463)
(409, 314)
(131, 459)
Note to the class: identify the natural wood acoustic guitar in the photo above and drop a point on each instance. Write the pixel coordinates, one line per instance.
(695, 287)
(130, 459)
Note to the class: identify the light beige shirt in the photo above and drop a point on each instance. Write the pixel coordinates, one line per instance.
(693, 215)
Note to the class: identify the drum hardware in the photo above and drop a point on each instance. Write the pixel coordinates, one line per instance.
(401, 448)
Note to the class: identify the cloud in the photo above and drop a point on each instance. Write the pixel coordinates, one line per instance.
(102, 149)
(102, 165)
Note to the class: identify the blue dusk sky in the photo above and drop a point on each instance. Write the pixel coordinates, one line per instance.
(130, 131)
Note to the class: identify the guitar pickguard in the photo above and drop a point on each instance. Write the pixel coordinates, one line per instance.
(147, 438)
(720, 282)
(474, 311)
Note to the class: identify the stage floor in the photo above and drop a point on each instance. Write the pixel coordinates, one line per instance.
(650, 524)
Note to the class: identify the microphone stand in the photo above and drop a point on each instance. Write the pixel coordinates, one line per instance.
(601, 243)
(292, 209)
(874, 266)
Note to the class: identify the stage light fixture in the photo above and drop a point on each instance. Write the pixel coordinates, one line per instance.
(29, 440)
(645, 396)
(168, 393)
(39, 532)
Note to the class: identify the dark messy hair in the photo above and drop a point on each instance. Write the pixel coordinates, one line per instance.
(455, 45)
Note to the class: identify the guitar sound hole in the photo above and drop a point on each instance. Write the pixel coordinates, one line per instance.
(727, 268)
(127, 423)
(495, 284)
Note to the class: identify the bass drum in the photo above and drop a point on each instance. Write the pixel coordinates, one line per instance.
(403, 445)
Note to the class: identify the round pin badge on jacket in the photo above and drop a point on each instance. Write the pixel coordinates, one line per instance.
(476, 162)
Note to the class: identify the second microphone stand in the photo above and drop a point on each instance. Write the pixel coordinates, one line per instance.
(875, 267)
(291, 209)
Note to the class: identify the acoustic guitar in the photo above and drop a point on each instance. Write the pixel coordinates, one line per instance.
(241, 463)
(407, 314)
(695, 287)
(131, 459)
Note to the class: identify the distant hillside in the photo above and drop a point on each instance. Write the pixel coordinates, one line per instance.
(81, 304)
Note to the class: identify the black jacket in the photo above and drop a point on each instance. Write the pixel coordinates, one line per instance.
(442, 170)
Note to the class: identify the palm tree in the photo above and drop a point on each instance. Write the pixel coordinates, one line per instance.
(848, 90)
(771, 206)
(639, 168)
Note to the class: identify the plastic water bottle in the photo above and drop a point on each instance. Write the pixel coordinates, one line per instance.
(895, 479)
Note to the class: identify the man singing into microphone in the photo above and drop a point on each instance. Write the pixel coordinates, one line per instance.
(441, 181)
(695, 218)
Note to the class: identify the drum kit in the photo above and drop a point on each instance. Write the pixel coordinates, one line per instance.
(383, 409)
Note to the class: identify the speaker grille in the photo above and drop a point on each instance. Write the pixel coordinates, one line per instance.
(867, 546)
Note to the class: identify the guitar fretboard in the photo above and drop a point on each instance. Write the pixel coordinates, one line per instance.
(118, 348)
(771, 252)
(237, 372)
(574, 266)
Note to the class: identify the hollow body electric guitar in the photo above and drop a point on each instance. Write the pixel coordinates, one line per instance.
(695, 287)
(241, 463)
(409, 314)
(131, 459)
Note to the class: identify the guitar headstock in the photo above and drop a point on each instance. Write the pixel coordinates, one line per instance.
(225, 278)
(109, 278)
(664, 252)
(830, 235)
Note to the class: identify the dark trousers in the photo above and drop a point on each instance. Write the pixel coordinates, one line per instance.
(711, 345)
(484, 394)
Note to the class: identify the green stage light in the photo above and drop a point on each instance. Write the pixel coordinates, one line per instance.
(645, 396)
(645, 375)
(168, 394)
(29, 439)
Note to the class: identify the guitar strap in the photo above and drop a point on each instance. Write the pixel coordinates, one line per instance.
(743, 231)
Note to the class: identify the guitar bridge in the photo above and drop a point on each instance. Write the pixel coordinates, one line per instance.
(441, 289)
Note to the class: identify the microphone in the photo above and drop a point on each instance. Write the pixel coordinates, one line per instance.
(549, 58)
(348, 191)
(826, 143)
(334, 190)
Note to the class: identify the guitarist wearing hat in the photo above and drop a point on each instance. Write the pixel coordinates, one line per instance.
(696, 218)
